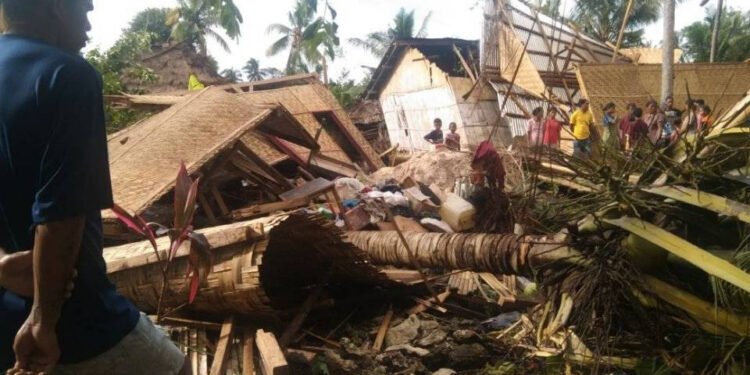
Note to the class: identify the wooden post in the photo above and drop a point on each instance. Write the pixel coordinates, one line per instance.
(219, 200)
(222, 348)
(206, 206)
(272, 358)
(248, 353)
(378, 344)
(625, 20)
(296, 323)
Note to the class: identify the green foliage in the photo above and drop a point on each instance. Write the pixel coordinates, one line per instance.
(603, 19)
(253, 71)
(550, 8)
(347, 90)
(232, 75)
(309, 38)
(195, 20)
(120, 62)
(153, 21)
(377, 43)
(733, 41)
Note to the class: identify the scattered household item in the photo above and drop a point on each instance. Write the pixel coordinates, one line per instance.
(458, 213)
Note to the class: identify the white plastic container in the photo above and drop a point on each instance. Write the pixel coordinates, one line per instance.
(458, 213)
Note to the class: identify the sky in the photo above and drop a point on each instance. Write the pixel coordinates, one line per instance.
(356, 18)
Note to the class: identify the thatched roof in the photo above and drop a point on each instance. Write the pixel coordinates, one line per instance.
(366, 112)
(173, 65)
(144, 158)
(720, 85)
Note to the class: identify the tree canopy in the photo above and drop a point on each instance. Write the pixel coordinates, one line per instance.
(153, 21)
(310, 39)
(602, 19)
(733, 42)
(403, 27)
(194, 21)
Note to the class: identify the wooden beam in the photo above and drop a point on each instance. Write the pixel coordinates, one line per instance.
(466, 66)
(585, 43)
(272, 358)
(218, 367)
(263, 209)
(383, 330)
(300, 317)
(206, 206)
(248, 353)
(219, 200)
(622, 29)
(280, 179)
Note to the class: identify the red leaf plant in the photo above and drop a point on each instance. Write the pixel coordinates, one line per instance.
(200, 259)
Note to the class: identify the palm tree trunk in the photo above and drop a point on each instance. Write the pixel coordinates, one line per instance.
(496, 253)
(667, 77)
(325, 71)
(715, 32)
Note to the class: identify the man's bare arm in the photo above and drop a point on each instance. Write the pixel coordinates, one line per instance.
(56, 248)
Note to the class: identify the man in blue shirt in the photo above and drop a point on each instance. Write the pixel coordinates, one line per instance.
(55, 178)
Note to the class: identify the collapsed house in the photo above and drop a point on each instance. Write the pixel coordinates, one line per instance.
(249, 143)
(719, 84)
(419, 80)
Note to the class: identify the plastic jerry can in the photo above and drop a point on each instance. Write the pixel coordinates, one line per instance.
(458, 213)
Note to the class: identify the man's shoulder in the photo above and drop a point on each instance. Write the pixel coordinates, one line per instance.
(43, 54)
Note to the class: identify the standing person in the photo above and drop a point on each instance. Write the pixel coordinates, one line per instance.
(610, 124)
(655, 121)
(580, 123)
(535, 128)
(435, 137)
(705, 120)
(55, 172)
(633, 132)
(689, 121)
(552, 130)
(453, 139)
(672, 121)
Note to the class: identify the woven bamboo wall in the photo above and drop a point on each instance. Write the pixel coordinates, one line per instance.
(720, 85)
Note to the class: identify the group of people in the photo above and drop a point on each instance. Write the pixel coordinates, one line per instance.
(452, 140)
(661, 126)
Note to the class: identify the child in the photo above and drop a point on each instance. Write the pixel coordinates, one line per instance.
(552, 130)
(634, 131)
(453, 139)
(435, 137)
(705, 121)
(610, 124)
(535, 127)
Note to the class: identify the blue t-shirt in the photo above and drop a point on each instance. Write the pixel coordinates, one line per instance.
(53, 166)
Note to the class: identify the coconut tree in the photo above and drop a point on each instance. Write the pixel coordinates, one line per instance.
(154, 22)
(603, 19)
(403, 27)
(733, 39)
(195, 21)
(308, 38)
(231, 75)
(253, 71)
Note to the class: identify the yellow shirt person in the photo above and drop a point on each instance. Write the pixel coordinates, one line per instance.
(581, 122)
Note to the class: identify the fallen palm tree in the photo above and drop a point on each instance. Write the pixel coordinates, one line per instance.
(260, 268)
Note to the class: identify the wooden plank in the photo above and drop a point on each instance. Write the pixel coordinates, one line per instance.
(465, 65)
(218, 367)
(248, 353)
(311, 189)
(300, 317)
(219, 200)
(263, 209)
(272, 359)
(383, 330)
(206, 206)
(280, 179)
(210, 326)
